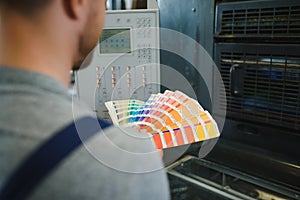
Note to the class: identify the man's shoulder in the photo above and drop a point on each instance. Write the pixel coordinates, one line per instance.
(35, 114)
(114, 157)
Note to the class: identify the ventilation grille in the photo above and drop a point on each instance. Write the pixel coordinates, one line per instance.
(275, 21)
(270, 87)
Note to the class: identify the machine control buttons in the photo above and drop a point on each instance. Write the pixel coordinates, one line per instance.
(128, 74)
(144, 80)
(143, 22)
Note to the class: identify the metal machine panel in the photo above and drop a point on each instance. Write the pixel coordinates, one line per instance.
(196, 20)
(257, 54)
(194, 178)
(126, 62)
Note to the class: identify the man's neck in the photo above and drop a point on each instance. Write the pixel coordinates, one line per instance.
(34, 47)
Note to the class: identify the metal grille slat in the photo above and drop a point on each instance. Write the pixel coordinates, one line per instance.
(271, 87)
(269, 21)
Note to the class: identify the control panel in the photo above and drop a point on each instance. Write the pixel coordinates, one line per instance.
(125, 63)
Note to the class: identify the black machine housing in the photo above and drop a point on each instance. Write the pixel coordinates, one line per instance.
(256, 47)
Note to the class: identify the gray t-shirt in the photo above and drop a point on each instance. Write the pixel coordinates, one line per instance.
(111, 165)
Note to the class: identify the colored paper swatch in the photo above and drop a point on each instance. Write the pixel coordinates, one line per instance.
(172, 118)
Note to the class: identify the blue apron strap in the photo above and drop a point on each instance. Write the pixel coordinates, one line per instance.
(43, 160)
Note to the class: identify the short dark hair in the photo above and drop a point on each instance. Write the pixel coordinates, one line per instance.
(24, 6)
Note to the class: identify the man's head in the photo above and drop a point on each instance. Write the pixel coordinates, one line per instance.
(75, 23)
(24, 6)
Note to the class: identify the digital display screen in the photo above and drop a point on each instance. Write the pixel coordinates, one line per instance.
(115, 41)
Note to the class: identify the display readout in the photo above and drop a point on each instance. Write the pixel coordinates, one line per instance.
(115, 41)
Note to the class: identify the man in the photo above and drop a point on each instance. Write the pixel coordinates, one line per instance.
(40, 42)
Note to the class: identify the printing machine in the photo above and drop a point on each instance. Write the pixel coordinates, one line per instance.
(256, 46)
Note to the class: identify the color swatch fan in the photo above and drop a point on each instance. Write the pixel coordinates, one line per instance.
(172, 118)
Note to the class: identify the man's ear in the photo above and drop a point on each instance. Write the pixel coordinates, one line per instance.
(74, 8)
